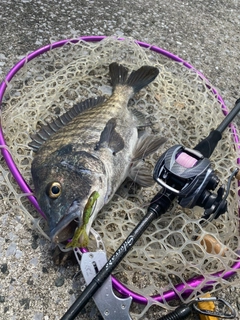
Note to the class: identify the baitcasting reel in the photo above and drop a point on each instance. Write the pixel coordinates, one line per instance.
(188, 174)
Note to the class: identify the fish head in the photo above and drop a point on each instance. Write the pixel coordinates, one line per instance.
(63, 186)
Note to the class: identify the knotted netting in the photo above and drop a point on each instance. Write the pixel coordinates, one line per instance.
(181, 106)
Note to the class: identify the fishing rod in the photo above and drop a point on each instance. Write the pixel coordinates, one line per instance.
(183, 173)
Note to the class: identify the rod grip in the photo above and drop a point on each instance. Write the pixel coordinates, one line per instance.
(207, 145)
(180, 313)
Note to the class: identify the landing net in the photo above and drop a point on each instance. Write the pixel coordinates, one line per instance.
(181, 106)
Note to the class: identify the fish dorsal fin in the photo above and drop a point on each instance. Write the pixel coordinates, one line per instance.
(49, 129)
(141, 119)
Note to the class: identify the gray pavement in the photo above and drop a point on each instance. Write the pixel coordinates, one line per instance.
(205, 33)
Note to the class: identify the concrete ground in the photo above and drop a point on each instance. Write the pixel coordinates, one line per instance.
(205, 33)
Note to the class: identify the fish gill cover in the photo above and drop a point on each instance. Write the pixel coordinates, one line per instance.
(180, 106)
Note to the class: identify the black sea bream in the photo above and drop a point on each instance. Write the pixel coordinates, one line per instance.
(94, 146)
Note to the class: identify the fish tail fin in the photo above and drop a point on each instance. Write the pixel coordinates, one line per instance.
(142, 77)
(137, 79)
(118, 74)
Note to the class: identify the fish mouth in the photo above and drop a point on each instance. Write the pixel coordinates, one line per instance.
(66, 227)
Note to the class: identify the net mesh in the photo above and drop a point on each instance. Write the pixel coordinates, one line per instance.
(181, 107)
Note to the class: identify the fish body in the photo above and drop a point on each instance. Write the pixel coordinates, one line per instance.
(91, 148)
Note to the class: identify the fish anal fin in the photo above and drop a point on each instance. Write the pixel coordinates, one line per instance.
(140, 174)
(147, 144)
(50, 128)
(110, 138)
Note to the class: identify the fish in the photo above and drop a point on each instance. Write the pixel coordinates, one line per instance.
(93, 147)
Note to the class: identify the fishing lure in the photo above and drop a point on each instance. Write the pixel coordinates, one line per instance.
(80, 238)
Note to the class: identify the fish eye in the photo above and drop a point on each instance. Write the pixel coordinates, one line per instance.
(54, 190)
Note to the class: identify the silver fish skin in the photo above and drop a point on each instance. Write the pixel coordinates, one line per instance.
(93, 147)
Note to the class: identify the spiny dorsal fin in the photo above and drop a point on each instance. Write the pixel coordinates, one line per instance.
(49, 129)
(141, 119)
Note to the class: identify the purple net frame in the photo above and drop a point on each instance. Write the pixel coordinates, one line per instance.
(185, 288)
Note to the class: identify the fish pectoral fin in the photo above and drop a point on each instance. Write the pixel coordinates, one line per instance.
(110, 138)
(147, 144)
(50, 128)
(140, 174)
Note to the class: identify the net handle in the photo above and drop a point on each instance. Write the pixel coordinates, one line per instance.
(183, 288)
